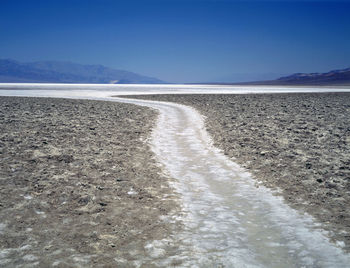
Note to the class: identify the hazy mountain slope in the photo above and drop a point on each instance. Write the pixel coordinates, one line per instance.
(67, 72)
(336, 77)
(332, 77)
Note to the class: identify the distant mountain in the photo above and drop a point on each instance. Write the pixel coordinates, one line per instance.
(246, 77)
(336, 77)
(331, 78)
(67, 72)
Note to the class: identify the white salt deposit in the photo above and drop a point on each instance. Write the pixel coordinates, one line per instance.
(132, 191)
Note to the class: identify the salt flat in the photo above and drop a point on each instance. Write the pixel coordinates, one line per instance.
(227, 220)
(101, 90)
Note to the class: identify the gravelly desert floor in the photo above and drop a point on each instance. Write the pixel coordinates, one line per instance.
(78, 184)
(296, 143)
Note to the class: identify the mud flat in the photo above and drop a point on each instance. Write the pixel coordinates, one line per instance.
(298, 144)
(79, 184)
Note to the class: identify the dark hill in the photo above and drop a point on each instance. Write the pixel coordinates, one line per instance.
(336, 78)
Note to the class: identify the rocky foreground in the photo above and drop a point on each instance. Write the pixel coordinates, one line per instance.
(298, 144)
(79, 186)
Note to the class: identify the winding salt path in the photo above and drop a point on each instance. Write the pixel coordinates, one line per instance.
(228, 221)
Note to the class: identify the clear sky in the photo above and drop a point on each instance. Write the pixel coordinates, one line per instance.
(181, 41)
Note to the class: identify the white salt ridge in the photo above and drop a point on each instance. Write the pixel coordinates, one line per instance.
(228, 221)
(27, 197)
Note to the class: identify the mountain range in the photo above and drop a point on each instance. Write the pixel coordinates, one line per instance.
(335, 77)
(12, 71)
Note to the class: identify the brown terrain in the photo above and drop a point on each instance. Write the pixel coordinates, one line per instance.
(78, 184)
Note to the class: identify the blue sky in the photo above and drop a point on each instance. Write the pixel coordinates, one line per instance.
(181, 41)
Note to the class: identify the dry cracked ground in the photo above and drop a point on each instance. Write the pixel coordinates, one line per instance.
(79, 185)
(298, 144)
